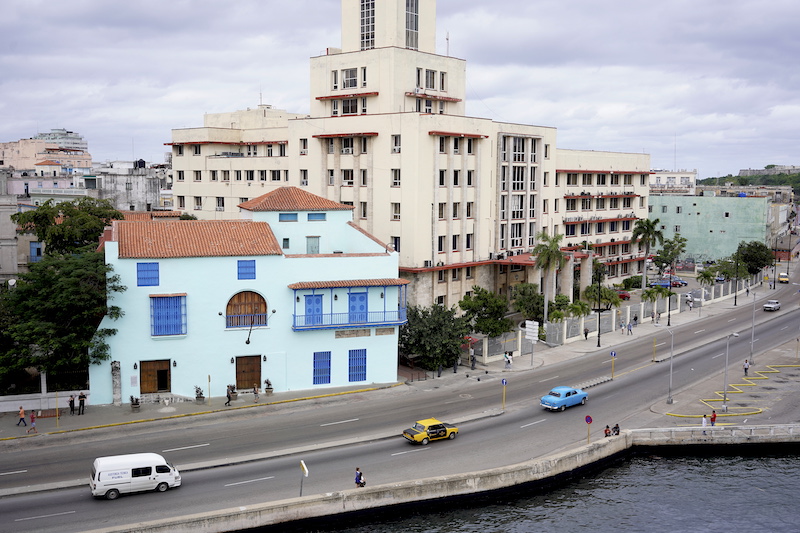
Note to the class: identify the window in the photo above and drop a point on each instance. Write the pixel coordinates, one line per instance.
(470, 146)
(220, 203)
(613, 227)
(678, 209)
(180, 176)
(456, 209)
(396, 211)
(456, 273)
(196, 149)
(395, 144)
(350, 106)
(677, 229)
(363, 76)
(518, 178)
(334, 111)
(585, 228)
(146, 274)
(628, 179)
(468, 244)
(198, 202)
(470, 209)
(626, 203)
(181, 202)
(569, 230)
(456, 177)
(440, 300)
(367, 24)
(331, 177)
(334, 79)
(226, 175)
(626, 225)
(285, 244)
(357, 365)
(250, 175)
(614, 179)
(316, 217)
(412, 24)
(586, 179)
(516, 234)
(586, 204)
(141, 472)
(347, 177)
(395, 177)
(363, 209)
(571, 204)
(243, 200)
(599, 203)
(443, 145)
(349, 78)
(601, 179)
(663, 209)
(262, 175)
(246, 269)
(442, 210)
(613, 203)
(572, 179)
(430, 79)
(442, 178)
(470, 178)
(456, 242)
(363, 145)
(167, 315)
(237, 174)
(363, 177)
(322, 368)
(287, 217)
(179, 150)
(532, 206)
(443, 81)
(198, 175)
(518, 149)
(395, 243)
(440, 276)
(440, 240)
(468, 272)
(269, 150)
(643, 180)
(600, 227)
(303, 177)
(518, 206)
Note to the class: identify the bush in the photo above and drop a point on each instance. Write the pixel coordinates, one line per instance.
(634, 282)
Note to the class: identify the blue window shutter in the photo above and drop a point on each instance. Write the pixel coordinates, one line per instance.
(357, 365)
(357, 307)
(322, 368)
(247, 269)
(147, 274)
(167, 315)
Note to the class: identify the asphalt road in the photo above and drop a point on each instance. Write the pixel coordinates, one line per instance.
(291, 433)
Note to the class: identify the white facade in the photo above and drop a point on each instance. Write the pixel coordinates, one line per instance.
(387, 134)
(675, 182)
(294, 293)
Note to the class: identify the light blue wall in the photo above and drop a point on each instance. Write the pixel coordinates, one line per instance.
(209, 283)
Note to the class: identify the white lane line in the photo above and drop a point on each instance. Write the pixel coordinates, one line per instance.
(43, 516)
(339, 422)
(718, 355)
(661, 344)
(532, 423)
(785, 327)
(248, 481)
(732, 320)
(186, 447)
(699, 331)
(410, 451)
(14, 472)
(548, 379)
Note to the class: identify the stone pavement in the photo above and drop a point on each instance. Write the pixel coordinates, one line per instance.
(108, 415)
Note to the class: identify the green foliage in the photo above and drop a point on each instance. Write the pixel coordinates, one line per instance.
(578, 308)
(68, 226)
(634, 282)
(728, 267)
(706, 277)
(755, 256)
(654, 293)
(486, 311)
(528, 301)
(50, 319)
(434, 335)
(187, 216)
(560, 303)
(670, 251)
(608, 297)
(645, 231)
(549, 258)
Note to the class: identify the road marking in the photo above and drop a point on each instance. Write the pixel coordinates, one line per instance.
(339, 422)
(785, 327)
(410, 451)
(43, 516)
(248, 481)
(699, 331)
(718, 355)
(186, 448)
(661, 344)
(14, 472)
(532, 423)
(548, 379)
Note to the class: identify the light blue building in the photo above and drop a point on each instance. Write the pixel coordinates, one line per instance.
(294, 293)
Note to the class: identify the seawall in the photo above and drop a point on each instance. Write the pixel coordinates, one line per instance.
(550, 468)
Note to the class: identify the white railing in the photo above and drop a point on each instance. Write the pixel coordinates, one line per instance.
(772, 433)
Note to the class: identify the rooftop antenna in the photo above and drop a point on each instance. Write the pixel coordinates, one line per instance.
(447, 38)
(675, 153)
(260, 97)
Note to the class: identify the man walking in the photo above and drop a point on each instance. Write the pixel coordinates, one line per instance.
(22, 416)
(33, 422)
(713, 418)
(705, 423)
(746, 367)
(228, 395)
(71, 404)
(81, 403)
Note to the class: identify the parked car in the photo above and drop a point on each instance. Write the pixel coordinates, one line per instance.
(623, 295)
(660, 283)
(772, 305)
(678, 282)
(560, 398)
(719, 278)
(783, 277)
(424, 431)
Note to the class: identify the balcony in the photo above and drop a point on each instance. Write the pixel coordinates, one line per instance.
(246, 321)
(349, 320)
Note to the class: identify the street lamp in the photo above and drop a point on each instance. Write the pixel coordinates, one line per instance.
(727, 349)
(671, 353)
(753, 328)
(598, 304)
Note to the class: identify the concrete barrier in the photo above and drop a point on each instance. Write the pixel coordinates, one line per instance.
(565, 464)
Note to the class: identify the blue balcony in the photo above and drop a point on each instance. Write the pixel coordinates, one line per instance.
(349, 320)
(246, 321)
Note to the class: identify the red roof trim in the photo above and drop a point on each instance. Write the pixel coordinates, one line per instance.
(234, 143)
(424, 96)
(384, 282)
(589, 171)
(337, 135)
(341, 96)
(455, 134)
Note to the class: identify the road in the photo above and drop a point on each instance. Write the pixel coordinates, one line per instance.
(291, 433)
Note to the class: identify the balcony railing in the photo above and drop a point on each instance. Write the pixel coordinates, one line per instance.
(349, 320)
(245, 321)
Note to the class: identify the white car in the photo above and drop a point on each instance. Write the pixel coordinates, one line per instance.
(772, 305)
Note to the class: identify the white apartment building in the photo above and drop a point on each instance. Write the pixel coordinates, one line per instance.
(675, 182)
(460, 198)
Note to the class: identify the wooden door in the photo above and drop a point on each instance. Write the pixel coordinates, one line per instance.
(248, 372)
(149, 376)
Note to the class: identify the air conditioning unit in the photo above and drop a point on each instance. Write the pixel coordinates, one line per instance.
(428, 264)
(303, 152)
(395, 149)
(598, 241)
(220, 208)
(347, 150)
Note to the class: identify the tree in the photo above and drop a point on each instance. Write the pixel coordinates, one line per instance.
(434, 334)
(528, 301)
(187, 216)
(646, 231)
(670, 251)
(68, 226)
(755, 256)
(549, 258)
(485, 311)
(579, 308)
(706, 278)
(56, 309)
(608, 297)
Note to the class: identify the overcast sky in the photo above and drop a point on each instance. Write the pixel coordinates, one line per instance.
(712, 85)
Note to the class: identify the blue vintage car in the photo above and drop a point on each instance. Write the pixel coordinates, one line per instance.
(560, 398)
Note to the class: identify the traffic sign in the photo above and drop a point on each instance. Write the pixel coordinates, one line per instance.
(504, 382)
(613, 354)
(588, 419)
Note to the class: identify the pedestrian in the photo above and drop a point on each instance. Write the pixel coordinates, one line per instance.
(586, 333)
(510, 359)
(705, 423)
(360, 479)
(607, 432)
(746, 366)
(713, 418)
(71, 404)
(747, 290)
(691, 304)
(33, 422)
(652, 316)
(81, 403)
(22, 416)
(507, 359)
(228, 395)
(658, 317)
(255, 393)
(615, 429)
(630, 328)
(635, 320)
(622, 327)
(473, 361)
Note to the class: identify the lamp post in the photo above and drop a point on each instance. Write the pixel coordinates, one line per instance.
(598, 304)
(671, 352)
(753, 329)
(736, 279)
(775, 267)
(727, 349)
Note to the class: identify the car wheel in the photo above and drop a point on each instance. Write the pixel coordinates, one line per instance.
(453, 435)
(425, 442)
(162, 487)
(583, 401)
(113, 494)
(563, 407)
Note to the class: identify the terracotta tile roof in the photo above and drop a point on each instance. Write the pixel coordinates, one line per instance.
(48, 163)
(194, 238)
(149, 215)
(383, 282)
(294, 199)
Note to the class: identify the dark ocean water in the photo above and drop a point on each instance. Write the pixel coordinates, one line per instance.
(643, 494)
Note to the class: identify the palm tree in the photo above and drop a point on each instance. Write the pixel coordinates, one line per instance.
(549, 258)
(579, 308)
(646, 231)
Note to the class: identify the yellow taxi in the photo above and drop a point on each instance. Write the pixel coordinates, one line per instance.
(783, 277)
(424, 431)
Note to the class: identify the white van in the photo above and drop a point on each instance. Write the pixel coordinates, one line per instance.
(136, 472)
